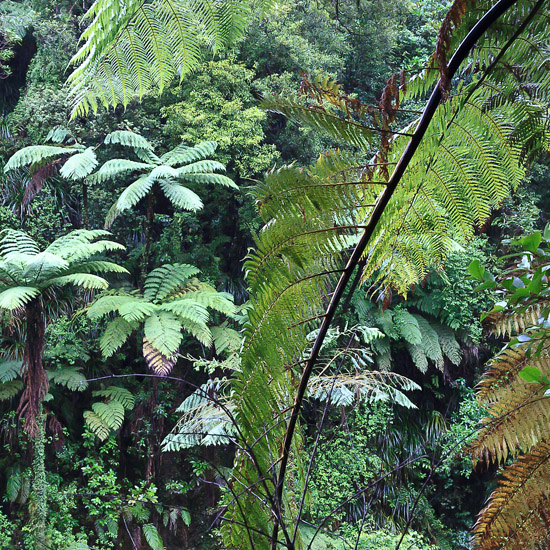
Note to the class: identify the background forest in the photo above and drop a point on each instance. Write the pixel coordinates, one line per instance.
(113, 443)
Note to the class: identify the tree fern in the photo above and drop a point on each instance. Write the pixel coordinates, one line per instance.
(173, 302)
(28, 276)
(128, 51)
(167, 171)
(406, 207)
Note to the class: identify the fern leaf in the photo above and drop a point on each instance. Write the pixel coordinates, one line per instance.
(36, 154)
(163, 332)
(182, 154)
(115, 335)
(158, 362)
(17, 297)
(129, 139)
(10, 370)
(69, 377)
(118, 394)
(83, 280)
(96, 424)
(10, 389)
(181, 197)
(118, 167)
(167, 279)
(80, 165)
(111, 413)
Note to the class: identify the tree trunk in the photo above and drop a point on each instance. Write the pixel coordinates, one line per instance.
(148, 230)
(85, 205)
(35, 378)
(39, 501)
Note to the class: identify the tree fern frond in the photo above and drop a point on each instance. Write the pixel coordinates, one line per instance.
(80, 165)
(36, 154)
(111, 413)
(129, 197)
(70, 377)
(9, 370)
(182, 154)
(108, 304)
(118, 394)
(96, 424)
(181, 197)
(116, 333)
(13, 241)
(163, 331)
(158, 362)
(116, 167)
(517, 513)
(129, 51)
(163, 281)
(17, 297)
(10, 389)
(83, 280)
(129, 139)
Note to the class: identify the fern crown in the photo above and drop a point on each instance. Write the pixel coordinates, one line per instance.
(170, 171)
(74, 259)
(173, 301)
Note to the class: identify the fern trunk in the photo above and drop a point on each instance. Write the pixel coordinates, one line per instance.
(148, 230)
(39, 502)
(34, 377)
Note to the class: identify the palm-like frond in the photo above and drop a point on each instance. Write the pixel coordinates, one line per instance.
(132, 48)
(173, 302)
(166, 171)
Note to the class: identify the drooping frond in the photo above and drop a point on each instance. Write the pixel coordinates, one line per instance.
(517, 514)
(80, 165)
(17, 297)
(371, 386)
(133, 48)
(115, 335)
(203, 422)
(9, 370)
(71, 377)
(37, 154)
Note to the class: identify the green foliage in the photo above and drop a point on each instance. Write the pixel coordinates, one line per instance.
(183, 164)
(173, 301)
(132, 51)
(218, 104)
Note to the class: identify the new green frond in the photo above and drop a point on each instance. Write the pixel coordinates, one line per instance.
(80, 165)
(36, 154)
(17, 297)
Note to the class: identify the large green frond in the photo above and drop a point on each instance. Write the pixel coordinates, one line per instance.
(182, 154)
(133, 48)
(129, 197)
(163, 332)
(80, 165)
(82, 280)
(181, 196)
(17, 297)
(166, 280)
(117, 167)
(36, 154)
(115, 335)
